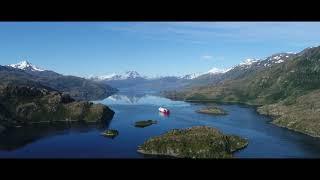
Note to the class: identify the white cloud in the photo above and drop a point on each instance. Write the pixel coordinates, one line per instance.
(206, 57)
(228, 32)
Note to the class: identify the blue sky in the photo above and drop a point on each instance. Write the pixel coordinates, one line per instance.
(151, 48)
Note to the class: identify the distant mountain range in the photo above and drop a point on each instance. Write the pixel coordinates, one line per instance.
(30, 95)
(134, 81)
(97, 87)
(285, 86)
(120, 76)
(135, 75)
(241, 70)
(78, 88)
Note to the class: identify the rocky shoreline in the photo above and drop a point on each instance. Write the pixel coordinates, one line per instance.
(295, 116)
(284, 121)
(195, 142)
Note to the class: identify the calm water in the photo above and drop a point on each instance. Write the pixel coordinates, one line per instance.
(85, 141)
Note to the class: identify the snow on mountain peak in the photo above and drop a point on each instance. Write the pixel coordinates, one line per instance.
(117, 76)
(248, 62)
(217, 71)
(25, 65)
(291, 52)
(131, 74)
(191, 76)
(102, 77)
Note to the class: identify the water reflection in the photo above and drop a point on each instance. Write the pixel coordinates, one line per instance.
(82, 140)
(131, 99)
(140, 98)
(16, 138)
(166, 115)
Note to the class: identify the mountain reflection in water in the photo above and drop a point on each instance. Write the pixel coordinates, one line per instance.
(16, 138)
(126, 98)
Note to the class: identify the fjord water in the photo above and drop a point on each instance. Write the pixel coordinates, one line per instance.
(84, 141)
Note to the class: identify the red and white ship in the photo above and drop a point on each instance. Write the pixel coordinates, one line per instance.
(164, 110)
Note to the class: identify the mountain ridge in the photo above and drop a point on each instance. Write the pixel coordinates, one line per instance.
(284, 86)
(212, 76)
(25, 65)
(79, 88)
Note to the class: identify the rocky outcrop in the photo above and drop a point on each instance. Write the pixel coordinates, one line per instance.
(88, 112)
(213, 110)
(21, 105)
(195, 142)
(111, 133)
(145, 123)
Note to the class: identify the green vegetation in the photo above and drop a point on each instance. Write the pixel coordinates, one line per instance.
(285, 90)
(212, 110)
(302, 115)
(142, 124)
(112, 133)
(22, 105)
(78, 88)
(195, 142)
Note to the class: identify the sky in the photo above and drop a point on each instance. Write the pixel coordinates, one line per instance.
(150, 48)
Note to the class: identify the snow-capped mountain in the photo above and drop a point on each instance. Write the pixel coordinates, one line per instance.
(27, 66)
(212, 71)
(121, 76)
(275, 59)
(263, 63)
(190, 76)
(132, 75)
(78, 88)
(212, 75)
(132, 79)
(103, 77)
(248, 62)
(217, 71)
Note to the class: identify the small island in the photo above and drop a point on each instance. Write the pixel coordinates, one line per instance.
(112, 133)
(214, 110)
(142, 124)
(194, 142)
